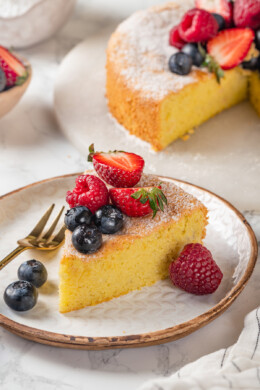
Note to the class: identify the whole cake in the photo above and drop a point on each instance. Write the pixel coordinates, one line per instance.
(159, 104)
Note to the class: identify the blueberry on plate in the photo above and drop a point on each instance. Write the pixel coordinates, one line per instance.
(2, 80)
(77, 216)
(109, 219)
(86, 238)
(220, 20)
(180, 63)
(191, 49)
(33, 271)
(21, 295)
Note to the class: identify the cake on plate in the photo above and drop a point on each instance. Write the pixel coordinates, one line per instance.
(154, 102)
(138, 255)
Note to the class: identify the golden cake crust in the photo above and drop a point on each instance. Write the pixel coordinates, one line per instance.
(180, 203)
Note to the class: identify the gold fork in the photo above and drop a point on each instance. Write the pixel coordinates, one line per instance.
(37, 239)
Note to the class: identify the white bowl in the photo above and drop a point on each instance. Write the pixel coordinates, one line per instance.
(25, 26)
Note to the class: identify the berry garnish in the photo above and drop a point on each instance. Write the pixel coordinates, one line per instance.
(247, 13)
(33, 271)
(175, 39)
(21, 295)
(117, 168)
(198, 25)
(77, 216)
(90, 191)
(220, 20)
(231, 46)
(108, 219)
(252, 64)
(195, 271)
(2, 80)
(138, 202)
(221, 7)
(180, 63)
(86, 239)
(191, 49)
(14, 69)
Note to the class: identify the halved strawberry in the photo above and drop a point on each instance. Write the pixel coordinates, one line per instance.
(14, 69)
(221, 7)
(230, 46)
(117, 168)
(138, 202)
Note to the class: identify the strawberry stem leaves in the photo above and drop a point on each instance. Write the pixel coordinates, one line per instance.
(155, 196)
(211, 64)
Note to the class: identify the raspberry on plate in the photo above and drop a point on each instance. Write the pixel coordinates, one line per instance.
(90, 191)
(138, 202)
(198, 25)
(247, 13)
(195, 271)
(117, 168)
(175, 39)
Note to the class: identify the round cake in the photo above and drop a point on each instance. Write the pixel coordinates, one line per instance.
(149, 100)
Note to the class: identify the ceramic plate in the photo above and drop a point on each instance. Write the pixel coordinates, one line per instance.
(153, 315)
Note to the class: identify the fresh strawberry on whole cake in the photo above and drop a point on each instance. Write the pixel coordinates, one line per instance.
(172, 67)
(124, 237)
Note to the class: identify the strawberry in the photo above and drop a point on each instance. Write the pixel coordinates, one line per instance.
(221, 7)
(231, 46)
(90, 191)
(14, 69)
(175, 39)
(247, 13)
(138, 202)
(197, 25)
(195, 270)
(117, 168)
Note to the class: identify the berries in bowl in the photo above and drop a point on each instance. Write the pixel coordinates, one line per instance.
(15, 76)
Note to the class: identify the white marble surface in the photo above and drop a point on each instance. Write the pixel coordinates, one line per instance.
(32, 148)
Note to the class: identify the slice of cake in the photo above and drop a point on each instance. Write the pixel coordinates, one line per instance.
(149, 100)
(138, 255)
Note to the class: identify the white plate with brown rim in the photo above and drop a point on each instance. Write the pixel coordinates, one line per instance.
(152, 315)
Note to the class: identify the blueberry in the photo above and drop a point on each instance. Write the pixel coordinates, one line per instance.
(257, 39)
(109, 219)
(2, 80)
(77, 216)
(87, 239)
(252, 64)
(192, 50)
(180, 63)
(33, 271)
(21, 295)
(221, 21)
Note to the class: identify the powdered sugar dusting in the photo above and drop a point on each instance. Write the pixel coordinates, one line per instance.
(179, 202)
(140, 50)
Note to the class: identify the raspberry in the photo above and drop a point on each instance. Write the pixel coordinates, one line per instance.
(90, 191)
(198, 25)
(247, 13)
(175, 39)
(195, 271)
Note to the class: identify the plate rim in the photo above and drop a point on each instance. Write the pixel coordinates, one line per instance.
(141, 339)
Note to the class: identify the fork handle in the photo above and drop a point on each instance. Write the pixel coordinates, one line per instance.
(11, 256)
